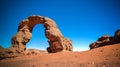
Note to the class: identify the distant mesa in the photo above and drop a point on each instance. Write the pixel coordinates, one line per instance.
(106, 40)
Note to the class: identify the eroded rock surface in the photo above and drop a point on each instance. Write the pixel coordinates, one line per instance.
(102, 41)
(106, 40)
(116, 38)
(56, 40)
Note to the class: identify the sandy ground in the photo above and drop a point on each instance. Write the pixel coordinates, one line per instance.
(108, 56)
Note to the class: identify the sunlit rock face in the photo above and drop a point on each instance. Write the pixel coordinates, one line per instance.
(55, 38)
(106, 40)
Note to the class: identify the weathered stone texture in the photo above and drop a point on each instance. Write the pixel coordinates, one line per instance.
(106, 40)
(55, 38)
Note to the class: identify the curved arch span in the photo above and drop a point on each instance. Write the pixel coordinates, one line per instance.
(57, 42)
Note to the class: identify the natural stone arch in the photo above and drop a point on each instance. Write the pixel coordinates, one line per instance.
(56, 40)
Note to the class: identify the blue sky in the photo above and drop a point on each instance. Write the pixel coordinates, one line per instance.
(82, 21)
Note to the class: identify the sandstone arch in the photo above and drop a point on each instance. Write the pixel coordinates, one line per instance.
(56, 40)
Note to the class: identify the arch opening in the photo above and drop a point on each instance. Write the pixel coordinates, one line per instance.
(38, 39)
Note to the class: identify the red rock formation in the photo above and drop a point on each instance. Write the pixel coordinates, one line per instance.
(116, 38)
(102, 41)
(55, 38)
(106, 40)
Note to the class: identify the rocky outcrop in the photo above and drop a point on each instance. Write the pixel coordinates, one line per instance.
(102, 41)
(116, 38)
(62, 44)
(25, 32)
(55, 38)
(106, 40)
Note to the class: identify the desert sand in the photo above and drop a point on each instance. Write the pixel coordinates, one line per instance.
(106, 56)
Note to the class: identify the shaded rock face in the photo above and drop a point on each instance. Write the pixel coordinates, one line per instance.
(106, 40)
(55, 38)
(102, 41)
(116, 38)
